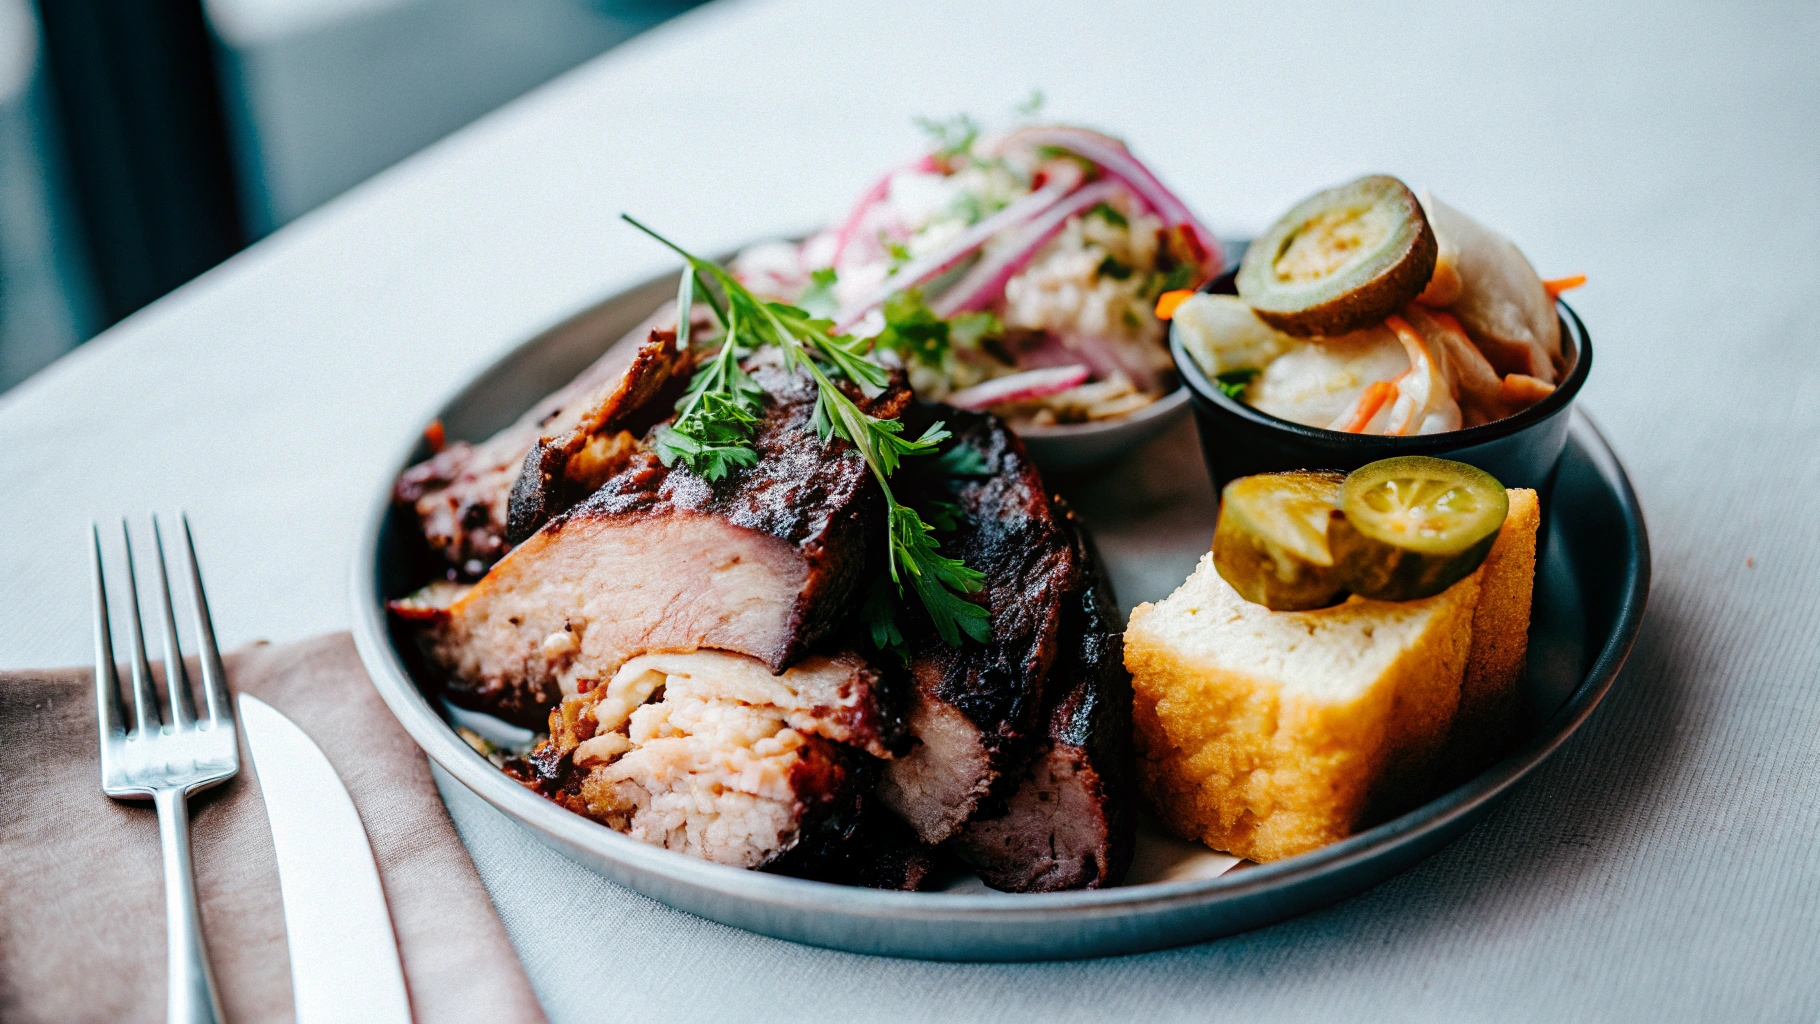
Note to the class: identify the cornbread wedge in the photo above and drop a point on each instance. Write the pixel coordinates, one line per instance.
(1267, 734)
(1489, 693)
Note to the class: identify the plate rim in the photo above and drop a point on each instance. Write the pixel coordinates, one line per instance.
(444, 747)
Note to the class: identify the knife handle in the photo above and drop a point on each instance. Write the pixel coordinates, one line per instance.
(191, 996)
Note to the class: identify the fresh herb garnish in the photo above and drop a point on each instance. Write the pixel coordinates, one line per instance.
(963, 460)
(953, 137)
(818, 299)
(880, 613)
(912, 329)
(1110, 214)
(1180, 276)
(900, 253)
(970, 208)
(1032, 105)
(1233, 383)
(966, 330)
(916, 332)
(1111, 267)
(713, 422)
(1088, 167)
(715, 418)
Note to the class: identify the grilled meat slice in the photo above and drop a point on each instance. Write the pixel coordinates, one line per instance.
(461, 495)
(978, 708)
(712, 755)
(762, 562)
(568, 464)
(1070, 823)
(878, 852)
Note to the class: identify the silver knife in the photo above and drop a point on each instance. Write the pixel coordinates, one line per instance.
(344, 956)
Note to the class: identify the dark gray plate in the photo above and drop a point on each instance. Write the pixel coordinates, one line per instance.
(1591, 587)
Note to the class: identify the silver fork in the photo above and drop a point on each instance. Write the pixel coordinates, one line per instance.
(167, 760)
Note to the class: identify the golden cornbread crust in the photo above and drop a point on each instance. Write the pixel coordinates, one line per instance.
(1490, 694)
(1269, 734)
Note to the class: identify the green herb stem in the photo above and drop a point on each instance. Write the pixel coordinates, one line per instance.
(719, 414)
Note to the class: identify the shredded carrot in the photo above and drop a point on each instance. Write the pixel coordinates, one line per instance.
(435, 436)
(1167, 302)
(1416, 346)
(1405, 333)
(1555, 286)
(1370, 402)
(1447, 320)
(1523, 391)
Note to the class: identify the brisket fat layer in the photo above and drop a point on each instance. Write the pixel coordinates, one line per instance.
(763, 562)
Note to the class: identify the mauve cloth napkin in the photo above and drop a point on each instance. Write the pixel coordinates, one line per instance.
(82, 892)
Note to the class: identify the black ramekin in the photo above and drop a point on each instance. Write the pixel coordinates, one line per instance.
(1520, 450)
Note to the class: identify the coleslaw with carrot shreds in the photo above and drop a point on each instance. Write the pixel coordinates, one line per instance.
(1017, 272)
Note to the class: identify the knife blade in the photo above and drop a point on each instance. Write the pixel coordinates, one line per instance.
(344, 955)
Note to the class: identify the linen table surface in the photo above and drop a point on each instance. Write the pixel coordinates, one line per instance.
(1664, 866)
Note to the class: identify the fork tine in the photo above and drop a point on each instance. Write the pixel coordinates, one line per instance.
(109, 712)
(176, 677)
(145, 700)
(214, 677)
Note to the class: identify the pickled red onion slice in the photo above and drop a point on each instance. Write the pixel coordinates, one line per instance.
(1020, 387)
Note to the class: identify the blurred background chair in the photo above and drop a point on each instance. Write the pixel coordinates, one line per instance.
(143, 141)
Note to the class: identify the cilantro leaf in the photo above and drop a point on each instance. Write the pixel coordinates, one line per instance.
(912, 329)
(967, 330)
(818, 299)
(716, 418)
(952, 137)
(963, 460)
(1110, 214)
(1178, 277)
(1233, 383)
(880, 615)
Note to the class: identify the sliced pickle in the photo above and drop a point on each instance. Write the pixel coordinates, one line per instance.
(1341, 259)
(1414, 526)
(1271, 540)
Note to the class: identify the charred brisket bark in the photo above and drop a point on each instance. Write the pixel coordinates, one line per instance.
(567, 465)
(461, 496)
(1070, 823)
(977, 708)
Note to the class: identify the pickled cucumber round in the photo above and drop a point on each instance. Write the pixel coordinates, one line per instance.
(1270, 542)
(1340, 260)
(1413, 526)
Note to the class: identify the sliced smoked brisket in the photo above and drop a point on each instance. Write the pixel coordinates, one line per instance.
(1070, 823)
(977, 709)
(461, 496)
(763, 562)
(712, 755)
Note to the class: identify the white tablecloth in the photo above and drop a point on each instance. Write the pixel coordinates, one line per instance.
(1664, 866)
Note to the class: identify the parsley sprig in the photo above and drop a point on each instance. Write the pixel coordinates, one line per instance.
(712, 431)
(1233, 383)
(717, 417)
